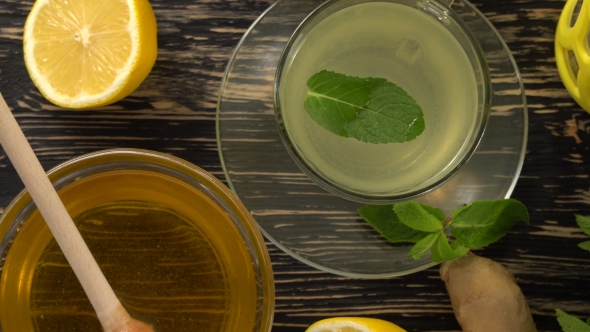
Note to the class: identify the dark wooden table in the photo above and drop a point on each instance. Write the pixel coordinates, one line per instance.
(174, 112)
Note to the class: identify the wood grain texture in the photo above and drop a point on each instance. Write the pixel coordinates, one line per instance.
(174, 112)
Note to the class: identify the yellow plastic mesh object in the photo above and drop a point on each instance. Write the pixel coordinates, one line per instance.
(572, 52)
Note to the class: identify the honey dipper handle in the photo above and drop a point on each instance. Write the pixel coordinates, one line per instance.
(112, 315)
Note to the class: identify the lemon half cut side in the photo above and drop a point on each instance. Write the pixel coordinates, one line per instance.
(353, 324)
(89, 53)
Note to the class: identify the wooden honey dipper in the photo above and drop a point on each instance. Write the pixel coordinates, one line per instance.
(111, 313)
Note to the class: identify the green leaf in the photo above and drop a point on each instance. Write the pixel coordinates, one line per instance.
(584, 245)
(416, 216)
(436, 212)
(368, 109)
(385, 221)
(570, 323)
(443, 251)
(420, 248)
(483, 222)
(459, 247)
(584, 223)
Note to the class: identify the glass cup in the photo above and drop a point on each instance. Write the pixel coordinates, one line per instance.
(179, 249)
(423, 47)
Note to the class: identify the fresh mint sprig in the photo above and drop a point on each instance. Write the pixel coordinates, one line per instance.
(473, 226)
(386, 222)
(570, 323)
(371, 110)
(584, 223)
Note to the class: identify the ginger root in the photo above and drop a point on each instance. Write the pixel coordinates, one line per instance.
(485, 296)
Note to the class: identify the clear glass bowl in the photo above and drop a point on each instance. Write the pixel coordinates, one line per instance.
(179, 249)
(347, 167)
(324, 230)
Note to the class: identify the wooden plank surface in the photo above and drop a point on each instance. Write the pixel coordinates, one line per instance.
(173, 111)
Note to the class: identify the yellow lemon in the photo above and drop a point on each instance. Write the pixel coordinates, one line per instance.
(89, 53)
(353, 324)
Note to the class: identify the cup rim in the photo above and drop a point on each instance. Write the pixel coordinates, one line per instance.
(210, 183)
(435, 7)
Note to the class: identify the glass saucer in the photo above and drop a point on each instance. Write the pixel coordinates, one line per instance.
(319, 228)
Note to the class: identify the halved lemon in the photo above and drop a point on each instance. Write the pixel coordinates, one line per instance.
(89, 53)
(353, 324)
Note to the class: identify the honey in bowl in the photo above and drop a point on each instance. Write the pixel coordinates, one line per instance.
(179, 250)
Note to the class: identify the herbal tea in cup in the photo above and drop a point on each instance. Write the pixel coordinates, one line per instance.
(180, 251)
(381, 101)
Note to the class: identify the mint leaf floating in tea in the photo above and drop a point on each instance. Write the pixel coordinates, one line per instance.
(368, 109)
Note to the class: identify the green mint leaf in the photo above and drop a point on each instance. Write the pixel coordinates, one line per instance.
(443, 251)
(459, 247)
(368, 109)
(483, 222)
(385, 221)
(436, 212)
(570, 323)
(584, 245)
(584, 223)
(422, 246)
(417, 216)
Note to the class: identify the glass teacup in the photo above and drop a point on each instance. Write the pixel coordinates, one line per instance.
(423, 47)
